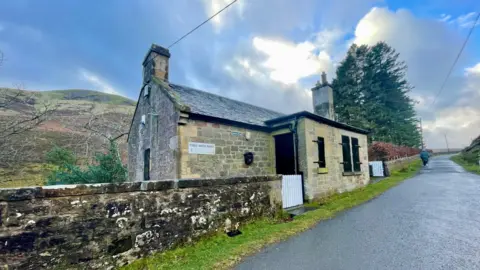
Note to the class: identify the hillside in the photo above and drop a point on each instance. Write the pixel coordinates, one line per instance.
(81, 121)
(472, 152)
(86, 95)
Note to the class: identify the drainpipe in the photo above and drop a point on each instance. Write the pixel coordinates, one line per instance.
(293, 129)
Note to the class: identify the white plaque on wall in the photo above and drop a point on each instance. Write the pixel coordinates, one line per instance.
(201, 148)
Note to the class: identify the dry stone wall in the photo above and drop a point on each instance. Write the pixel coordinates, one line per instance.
(104, 226)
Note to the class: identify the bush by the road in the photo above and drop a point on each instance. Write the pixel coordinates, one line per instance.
(386, 151)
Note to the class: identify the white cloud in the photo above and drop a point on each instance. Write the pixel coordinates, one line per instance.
(326, 39)
(460, 122)
(463, 21)
(213, 6)
(475, 70)
(460, 125)
(273, 72)
(429, 47)
(466, 20)
(445, 17)
(97, 82)
(422, 102)
(288, 62)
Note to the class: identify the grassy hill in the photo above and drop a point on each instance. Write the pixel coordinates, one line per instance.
(107, 114)
(86, 95)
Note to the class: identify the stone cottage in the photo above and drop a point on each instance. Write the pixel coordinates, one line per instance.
(181, 132)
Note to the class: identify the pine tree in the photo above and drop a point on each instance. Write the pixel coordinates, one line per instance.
(371, 92)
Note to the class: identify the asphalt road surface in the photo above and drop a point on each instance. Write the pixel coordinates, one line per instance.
(431, 221)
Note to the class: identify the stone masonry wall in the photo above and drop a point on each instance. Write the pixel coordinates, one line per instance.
(321, 184)
(159, 134)
(230, 145)
(103, 226)
(397, 164)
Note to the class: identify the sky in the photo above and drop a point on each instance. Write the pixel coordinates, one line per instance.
(266, 52)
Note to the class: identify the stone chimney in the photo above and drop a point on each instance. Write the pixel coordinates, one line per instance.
(322, 95)
(156, 63)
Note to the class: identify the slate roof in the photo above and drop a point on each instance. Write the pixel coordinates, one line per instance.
(317, 118)
(209, 104)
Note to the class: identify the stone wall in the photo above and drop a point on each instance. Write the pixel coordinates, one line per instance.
(320, 184)
(159, 134)
(230, 145)
(397, 164)
(102, 226)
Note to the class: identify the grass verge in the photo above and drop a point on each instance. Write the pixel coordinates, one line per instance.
(222, 252)
(25, 175)
(468, 166)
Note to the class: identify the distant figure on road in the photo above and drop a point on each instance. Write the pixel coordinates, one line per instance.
(424, 155)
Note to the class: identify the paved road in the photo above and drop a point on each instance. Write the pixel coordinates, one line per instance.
(431, 221)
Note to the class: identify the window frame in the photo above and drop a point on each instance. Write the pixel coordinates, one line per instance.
(322, 161)
(356, 155)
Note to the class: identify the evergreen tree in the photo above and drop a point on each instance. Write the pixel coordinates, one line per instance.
(108, 168)
(371, 92)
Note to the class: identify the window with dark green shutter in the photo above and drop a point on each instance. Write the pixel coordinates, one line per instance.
(321, 153)
(347, 158)
(356, 155)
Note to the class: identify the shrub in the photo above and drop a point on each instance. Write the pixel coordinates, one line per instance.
(470, 157)
(60, 156)
(108, 168)
(387, 151)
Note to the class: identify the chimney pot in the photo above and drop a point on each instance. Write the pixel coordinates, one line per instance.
(324, 78)
(322, 95)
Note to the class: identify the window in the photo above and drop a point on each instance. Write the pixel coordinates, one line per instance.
(146, 165)
(347, 159)
(321, 153)
(351, 154)
(356, 155)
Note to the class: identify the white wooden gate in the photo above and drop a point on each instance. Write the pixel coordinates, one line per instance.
(377, 168)
(292, 193)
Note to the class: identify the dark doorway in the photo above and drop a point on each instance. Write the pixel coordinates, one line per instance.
(146, 165)
(284, 154)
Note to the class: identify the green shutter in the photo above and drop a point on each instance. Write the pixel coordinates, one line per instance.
(347, 159)
(356, 155)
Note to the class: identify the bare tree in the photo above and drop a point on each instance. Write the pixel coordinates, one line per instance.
(19, 113)
(96, 129)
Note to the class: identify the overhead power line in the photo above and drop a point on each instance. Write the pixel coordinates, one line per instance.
(456, 59)
(200, 25)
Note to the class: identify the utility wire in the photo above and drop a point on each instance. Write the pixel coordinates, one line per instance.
(456, 59)
(200, 25)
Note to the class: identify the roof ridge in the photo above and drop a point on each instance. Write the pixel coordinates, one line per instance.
(243, 102)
